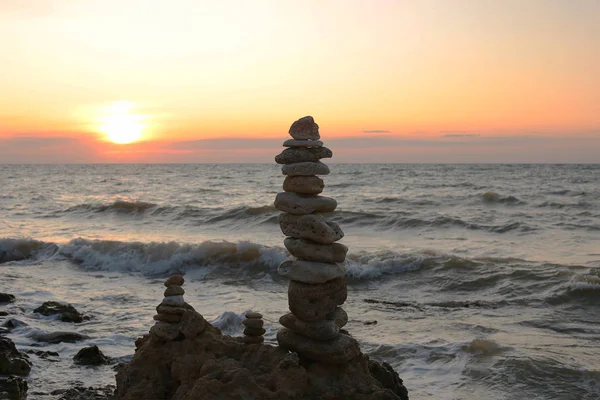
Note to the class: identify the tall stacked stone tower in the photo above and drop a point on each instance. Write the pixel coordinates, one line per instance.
(316, 270)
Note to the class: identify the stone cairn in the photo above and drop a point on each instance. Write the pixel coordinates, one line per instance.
(254, 331)
(316, 270)
(175, 318)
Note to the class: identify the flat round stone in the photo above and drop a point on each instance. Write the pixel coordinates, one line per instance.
(253, 315)
(310, 184)
(312, 227)
(192, 324)
(174, 290)
(253, 339)
(319, 330)
(299, 204)
(170, 318)
(339, 316)
(310, 271)
(305, 168)
(302, 143)
(174, 280)
(305, 129)
(311, 251)
(314, 301)
(164, 309)
(296, 155)
(175, 301)
(165, 331)
(337, 351)
(253, 323)
(254, 331)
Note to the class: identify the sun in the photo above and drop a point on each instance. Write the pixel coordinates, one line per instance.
(120, 125)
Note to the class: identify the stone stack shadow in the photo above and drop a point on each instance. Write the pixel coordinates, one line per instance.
(316, 270)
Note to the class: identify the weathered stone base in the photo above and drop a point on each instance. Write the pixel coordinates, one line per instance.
(337, 351)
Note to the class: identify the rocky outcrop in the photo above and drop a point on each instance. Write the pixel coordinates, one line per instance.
(213, 366)
(12, 361)
(67, 312)
(90, 356)
(6, 298)
(13, 388)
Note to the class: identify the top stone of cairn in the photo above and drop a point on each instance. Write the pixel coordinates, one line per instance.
(305, 129)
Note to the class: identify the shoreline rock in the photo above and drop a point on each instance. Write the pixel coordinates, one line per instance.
(67, 312)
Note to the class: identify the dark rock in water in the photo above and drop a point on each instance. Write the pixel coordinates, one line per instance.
(67, 312)
(43, 354)
(3, 313)
(90, 356)
(13, 388)
(59, 337)
(12, 361)
(14, 323)
(6, 298)
(213, 366)
(89, 393)
(389, 378)
(4, 331)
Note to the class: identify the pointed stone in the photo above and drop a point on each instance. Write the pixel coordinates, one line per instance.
(305, 129)
(311, 251)
(302, 143)
(298, 204)
(310, 184)
(310, 271)
(305, 168)
(312, 227)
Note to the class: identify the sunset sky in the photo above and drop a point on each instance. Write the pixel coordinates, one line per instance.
(221, 81)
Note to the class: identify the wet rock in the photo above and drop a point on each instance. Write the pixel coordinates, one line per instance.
(67, 312)
(389, 378)
(90, 356)
(43, 354)
(87, 393)
(339, 350)
(311, 227)
(299, 204)
(302, 143)
(3, 313)
(4, 331)
(163, 309)
(296, 155)
(310, 271)
(311, 251)
(6, 298)
(306, 168)
(174, 290)
(305, 129)
(313, 302)
(13, 388)
(12, 361)
(14, 323)
(310, 184)
(59, 337)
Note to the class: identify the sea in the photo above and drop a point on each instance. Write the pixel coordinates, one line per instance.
(473, 281)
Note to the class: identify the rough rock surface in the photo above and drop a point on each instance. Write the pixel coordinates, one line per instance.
(310, 184)
(59, 337)
(302, 143)
(174, 280)
(311, 251)
(86, 393)
(310, 271)
(299, 204)
(6, 298)
(339, 350)
(312, 302)
(13, 388)
(296, 155)
(319, 330)
(306, 168)
(12, 361)
(305, 129)
(67, 312)
(311, 227)
(90, 356)
(192, 324)
(216, 367)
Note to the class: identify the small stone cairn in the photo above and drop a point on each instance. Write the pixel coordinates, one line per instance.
(175, 318)
(316, 270)
(254, 331)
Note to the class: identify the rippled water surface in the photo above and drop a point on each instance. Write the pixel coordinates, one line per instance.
(473, 281)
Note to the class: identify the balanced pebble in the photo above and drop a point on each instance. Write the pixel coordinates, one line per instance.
(253, 315)
(176, 301)
(253, 323)
(174, 280)
(174, 290)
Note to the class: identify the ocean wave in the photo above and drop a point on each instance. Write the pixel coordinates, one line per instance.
(495, 198)
(25, 249)
(118, 206)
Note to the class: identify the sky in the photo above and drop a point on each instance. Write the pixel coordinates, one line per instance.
(204, 81)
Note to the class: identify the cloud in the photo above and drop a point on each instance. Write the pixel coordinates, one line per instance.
(376, 131)
(460, 135)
